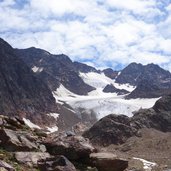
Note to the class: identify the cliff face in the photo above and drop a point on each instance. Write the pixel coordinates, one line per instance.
(21, 92)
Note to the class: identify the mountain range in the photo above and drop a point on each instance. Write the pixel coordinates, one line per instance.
(40, 86)
(56, 109)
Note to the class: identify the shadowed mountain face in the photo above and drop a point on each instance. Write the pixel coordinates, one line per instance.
(21, 92)
(150, 80)
(56, 70)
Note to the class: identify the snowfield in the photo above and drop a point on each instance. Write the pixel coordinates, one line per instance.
(98, 102)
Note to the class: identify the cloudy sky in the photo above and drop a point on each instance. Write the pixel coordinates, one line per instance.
(102, 33)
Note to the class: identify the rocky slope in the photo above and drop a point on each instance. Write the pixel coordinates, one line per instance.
(56, 69)
(25, 149)
(21, 92)
(116, 129)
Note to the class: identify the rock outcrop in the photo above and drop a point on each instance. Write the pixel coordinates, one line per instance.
(112, 129)
(5, 166)
(107, 162)
(116, 129)
(150, 80)
(30, 158)
(57, 163)
(112, 89)
(73, 147)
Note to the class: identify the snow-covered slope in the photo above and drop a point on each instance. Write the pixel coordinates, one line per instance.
(99, 102)
(100, 81)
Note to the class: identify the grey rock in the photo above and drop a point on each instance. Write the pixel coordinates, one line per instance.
(30, 158)
(5, 166)
(107, 162)
(57, 163)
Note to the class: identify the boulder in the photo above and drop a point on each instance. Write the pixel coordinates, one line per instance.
(16, 141)
(57, 163)
(30, 158)
(107, 162)
(73, 147)
(5, 166)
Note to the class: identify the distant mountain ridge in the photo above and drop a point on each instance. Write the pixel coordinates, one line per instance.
(56, 69)
(31, 77)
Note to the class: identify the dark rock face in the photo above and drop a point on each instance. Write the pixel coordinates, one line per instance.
(111, 89)
(131, 74)
(84, 68)
(55, 70)
(21, 92)
(57, 163)
(151, 80)
(110, 73)
(163, 104)
(114, 129)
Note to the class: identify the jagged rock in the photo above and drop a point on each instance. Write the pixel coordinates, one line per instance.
(30, 158)
(16, 141)
(111, 89)
(112, 129)
(73, 147)
(163, 104)
(5, 166)
(107, 162)
(57, 163)
(110, 73)
(84, 67)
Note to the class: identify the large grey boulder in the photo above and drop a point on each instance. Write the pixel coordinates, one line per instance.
(105, 161)
(16, 141)
(30, 158)
(73, 147)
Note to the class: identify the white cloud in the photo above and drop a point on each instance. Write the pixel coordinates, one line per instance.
(102, 33)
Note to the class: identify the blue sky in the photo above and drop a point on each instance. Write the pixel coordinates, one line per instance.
(101, 33)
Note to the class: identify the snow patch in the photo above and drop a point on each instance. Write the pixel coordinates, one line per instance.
(52, 129)
(37, 69)
(63, 92)
(30, 124)
(101, 81)
(96, 80)
(55, 115)
(147, 164)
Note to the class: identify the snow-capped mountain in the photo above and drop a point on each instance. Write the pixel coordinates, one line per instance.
(34, 78)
